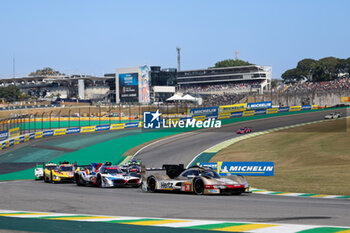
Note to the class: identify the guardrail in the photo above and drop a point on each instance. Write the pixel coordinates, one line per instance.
(65, 131)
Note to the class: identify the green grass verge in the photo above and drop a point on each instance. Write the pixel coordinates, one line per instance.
(309, 159)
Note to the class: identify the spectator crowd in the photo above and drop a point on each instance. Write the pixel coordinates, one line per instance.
(228, 87)
(335, 85)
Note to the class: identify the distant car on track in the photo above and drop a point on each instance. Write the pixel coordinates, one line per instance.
(106, 175)
(198, 180)
(39, 170)
(64, 172)
(333, 115)
(244, 130)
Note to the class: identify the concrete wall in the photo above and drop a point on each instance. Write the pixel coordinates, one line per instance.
(95, 92)
(288, 99)
(62, 91)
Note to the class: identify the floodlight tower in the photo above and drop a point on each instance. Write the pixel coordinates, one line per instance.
(236, 52)
(178, 58)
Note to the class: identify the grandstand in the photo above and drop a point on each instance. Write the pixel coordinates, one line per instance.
(226, 85)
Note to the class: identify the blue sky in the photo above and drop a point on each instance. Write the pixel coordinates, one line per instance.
(96, 37)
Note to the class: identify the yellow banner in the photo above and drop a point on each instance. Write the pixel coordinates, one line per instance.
(38, 135)
(26, 138)
(87, 129)
(117, 126)
(248, 113)
(223, 116)
(314, 107)
(232, 108)
(271, 110)
(59, 132)
(345, 99)
(199, 118)
(16, 141)
(294, 108)
(14, 132)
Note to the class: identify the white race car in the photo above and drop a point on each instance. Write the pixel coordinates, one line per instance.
(106, 175)
(333, 115)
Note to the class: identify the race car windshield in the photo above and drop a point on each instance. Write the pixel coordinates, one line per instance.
(212, 174)
(66, 169)
(50, 167)
(111, 170)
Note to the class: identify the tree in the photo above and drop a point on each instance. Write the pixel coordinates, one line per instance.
(10, 93)
(292, 75)
(45, 71)
(231, 63)
(305, 67)
(325, 69)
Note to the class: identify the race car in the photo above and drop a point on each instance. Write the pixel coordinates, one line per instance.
(333, 115)
(132, 167)
(39, 170)
(135, 162)
(198, 180)
(244, 130)
(64, 172)
(106, 175)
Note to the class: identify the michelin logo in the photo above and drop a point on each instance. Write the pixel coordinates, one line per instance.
(151, 120)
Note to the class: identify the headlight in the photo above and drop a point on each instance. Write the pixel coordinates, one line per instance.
(56, 177)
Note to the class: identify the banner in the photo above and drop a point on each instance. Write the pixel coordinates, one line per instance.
(259, 105)
(260, 112)
(271, 110)
(3, 135)
(236, 114)
(306, 107)
(87, 129)
(128, 87)
(345, 99)
(131, 125)
(38, 135)
(48, 133)
(248, 113)
(283, 109)
(59, 132)
(144, 85)
(72, 130)
(314, 107)
(294, 108)
(13, 132)
(242, 168)
(117, 126)
(102, 127)
(210, 111)
(232, 108)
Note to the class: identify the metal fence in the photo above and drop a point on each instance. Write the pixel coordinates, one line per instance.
(33, 120)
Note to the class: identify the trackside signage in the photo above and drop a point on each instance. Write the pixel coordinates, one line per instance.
(152, 120)
(259, 105)
(242, 168)
(210, 111)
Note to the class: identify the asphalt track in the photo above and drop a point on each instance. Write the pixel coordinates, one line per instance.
(69, 198)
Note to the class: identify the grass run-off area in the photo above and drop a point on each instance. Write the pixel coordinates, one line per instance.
(308, 159)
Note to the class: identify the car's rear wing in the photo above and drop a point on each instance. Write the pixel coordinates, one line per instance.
(171, 170)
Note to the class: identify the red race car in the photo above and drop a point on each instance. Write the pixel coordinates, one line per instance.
(244, 130)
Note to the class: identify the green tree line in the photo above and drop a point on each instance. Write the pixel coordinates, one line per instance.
(325, 69)
(11, 93)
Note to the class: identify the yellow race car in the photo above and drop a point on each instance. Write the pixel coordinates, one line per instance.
(64, 172)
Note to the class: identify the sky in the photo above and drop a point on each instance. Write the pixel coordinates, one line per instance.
(97, 37)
